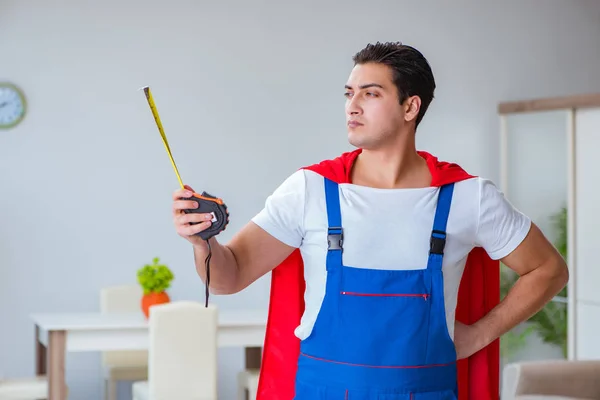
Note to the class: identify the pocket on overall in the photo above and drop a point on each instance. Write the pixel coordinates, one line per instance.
(385, 317)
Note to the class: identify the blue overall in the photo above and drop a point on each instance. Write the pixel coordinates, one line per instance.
(380, 334)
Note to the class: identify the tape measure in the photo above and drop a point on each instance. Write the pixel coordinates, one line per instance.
(207, 204)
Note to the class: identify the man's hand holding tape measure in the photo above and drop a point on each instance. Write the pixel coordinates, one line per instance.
(189, 225)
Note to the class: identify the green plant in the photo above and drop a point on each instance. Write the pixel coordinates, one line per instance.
(550, 322)
(155, 277)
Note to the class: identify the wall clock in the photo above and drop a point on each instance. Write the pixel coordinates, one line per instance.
(12, 105)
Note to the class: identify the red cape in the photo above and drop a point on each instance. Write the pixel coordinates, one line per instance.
(479, 292)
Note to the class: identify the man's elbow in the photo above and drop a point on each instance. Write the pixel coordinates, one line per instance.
(219, 289)
(223, 291)
(223, 287)
(559, 273)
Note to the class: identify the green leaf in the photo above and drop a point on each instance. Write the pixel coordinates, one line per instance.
(155, 277)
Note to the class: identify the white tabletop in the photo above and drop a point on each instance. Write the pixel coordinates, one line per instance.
(87, 321)
(129, 331)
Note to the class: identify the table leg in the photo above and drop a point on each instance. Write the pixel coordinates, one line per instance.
(40, 354)
(253, 357)
(57, 385)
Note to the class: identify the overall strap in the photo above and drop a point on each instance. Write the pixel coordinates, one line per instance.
(438, 234)
(335, 235)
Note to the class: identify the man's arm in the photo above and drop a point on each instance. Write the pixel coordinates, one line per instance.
(250, 254)
(542, 274)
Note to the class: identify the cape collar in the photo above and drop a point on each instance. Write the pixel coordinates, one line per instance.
(339, 168)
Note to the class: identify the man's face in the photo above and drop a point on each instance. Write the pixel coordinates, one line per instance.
(374, 115)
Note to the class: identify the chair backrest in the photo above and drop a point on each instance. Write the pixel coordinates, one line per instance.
(123, 298)
(182, 358)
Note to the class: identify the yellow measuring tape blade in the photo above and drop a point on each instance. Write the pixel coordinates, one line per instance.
(150, 99)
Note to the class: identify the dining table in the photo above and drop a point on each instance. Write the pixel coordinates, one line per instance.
(59, 333)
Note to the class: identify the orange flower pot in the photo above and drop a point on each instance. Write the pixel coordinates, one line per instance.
(151, 299)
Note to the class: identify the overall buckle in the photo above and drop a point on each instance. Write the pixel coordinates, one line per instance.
(335, 238)
(437, 242)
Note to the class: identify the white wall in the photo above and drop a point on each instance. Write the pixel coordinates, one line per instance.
(86, 184)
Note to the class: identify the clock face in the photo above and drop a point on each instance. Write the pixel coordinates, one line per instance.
(12, 105)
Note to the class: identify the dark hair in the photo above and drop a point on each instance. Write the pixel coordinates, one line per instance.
(412, 74)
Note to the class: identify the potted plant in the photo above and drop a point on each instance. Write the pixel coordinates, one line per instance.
(155, 279)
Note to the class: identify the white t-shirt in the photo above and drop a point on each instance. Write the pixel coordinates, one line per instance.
(395, 222)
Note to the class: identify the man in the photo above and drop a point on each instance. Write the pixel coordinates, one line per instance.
(385, 233)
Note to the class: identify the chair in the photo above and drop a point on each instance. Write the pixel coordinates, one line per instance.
(551, 380)
(182, 356)
(248, 384)
(24, 389)
(122, 365)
